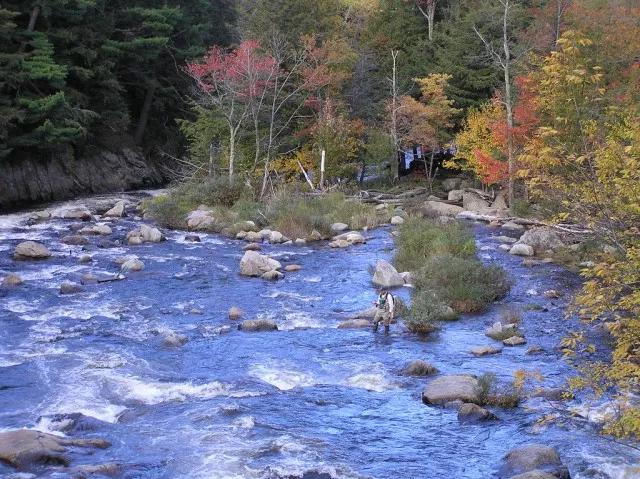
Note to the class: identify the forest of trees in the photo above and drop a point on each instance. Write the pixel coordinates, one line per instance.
(539, 96)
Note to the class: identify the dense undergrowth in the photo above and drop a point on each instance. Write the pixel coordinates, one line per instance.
(448, 278)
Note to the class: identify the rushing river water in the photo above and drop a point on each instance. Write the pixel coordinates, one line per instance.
(309, 400)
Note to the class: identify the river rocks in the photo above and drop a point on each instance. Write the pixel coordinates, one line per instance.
(504, 247)
(418, 367)
(74, 240)
(339, 244)
(505, 239)
(500, 331)
(292, 268)
(470, 413)
(134, 238)
(455, 195)
(355, 324)
(70, 288)
(275, 237)
(510, 225)
(192, 239)
(534, 457)
(201, 220)
(235, 313)
(123, 259)
(12, 280)
(520, 249)
(85, 259)
(386, 275)
(98, 229)
(26, 450)
(437, 208)
(252, 247)
(29, 250)
(542, 239)
(463, 387)
(499, 203)
(117, 211)
(258, 325)
(339, 227)
(255, 264)
(151, 235)
(485, 350)
(174, 340)
(514, 341)
(272, 275)
(473, 202)
(133, 265)
(397, 220)
(69, 213)
(315, 236)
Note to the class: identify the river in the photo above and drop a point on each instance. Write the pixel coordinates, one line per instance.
(308, 400)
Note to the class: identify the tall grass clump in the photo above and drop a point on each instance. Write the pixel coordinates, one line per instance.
(467, 285)
(493, 393)
(169, 211)
(421, 239)
(296, 216)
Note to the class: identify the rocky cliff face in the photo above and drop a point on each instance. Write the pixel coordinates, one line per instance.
(32, 180)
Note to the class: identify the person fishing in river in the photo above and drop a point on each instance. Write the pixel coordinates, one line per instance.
(385, 304)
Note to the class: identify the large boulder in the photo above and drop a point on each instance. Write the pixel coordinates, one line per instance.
(276, 237)
(463, 387)
(542, 239)
(73, 213)
(12, 280)
(470, 413)
(256, 264)
(31, 250)
(534, 457)
(474, 202)
(455, 195)
(26, 450)
(437, 208)
(257, 325)
(117, 211)
(151, 235)
(201, 220)
(451, 184)
(386, 275)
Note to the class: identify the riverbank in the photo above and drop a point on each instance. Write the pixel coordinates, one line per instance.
(305, 397)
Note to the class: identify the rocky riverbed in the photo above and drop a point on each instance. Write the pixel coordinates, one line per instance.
(155, 358)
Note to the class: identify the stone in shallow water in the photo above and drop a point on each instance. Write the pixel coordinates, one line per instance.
(70, 288)
(514, 341)
(235, 313)
(31, 250)
(12, 280)
(471, 413)
(485, 350)
(258, 325)
(444, 389)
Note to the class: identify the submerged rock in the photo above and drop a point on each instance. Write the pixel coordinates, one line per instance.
(386, 275)
(485, 350)
(355, 324)
(292, 268)
(174, 340)
(133, 265)
(418, 367)
(534, 457)
(235, 313)
(28, 250)
(257, 325)
(472, 413)
(272, 275)
(463, 387)
(74, 240)
(12, 280)
(192, 239)
(70, 288)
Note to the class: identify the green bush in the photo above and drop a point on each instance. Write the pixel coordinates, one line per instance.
(467, 285)
(169, 211)
(425, 311)
(297, 216)
(218, 191)
(492, 393)
(420, 239)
